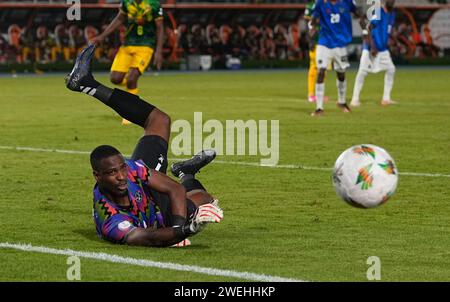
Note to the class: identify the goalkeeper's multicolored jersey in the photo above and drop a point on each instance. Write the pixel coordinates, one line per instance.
(114, 222)
(140, 23)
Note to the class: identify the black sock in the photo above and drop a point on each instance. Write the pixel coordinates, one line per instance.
(93, 88)
(127, 105)
(191, 184)
(185, 177)
(103, 93)
(88, 83)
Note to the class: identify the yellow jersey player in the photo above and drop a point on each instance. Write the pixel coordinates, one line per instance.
(144, 31)
(312, 70)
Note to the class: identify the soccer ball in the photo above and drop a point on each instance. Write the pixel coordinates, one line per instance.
(365, 176)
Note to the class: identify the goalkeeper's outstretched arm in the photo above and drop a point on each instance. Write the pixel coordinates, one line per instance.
(207, 213)
(182, 227)
(157, 238)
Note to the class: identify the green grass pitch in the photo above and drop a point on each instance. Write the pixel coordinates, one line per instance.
(283, 222)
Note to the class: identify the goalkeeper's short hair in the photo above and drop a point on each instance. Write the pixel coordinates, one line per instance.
(101, 152)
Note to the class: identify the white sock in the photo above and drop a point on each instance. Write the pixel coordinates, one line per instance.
(320, 91)
(342, 90)
(359, 83)
(388, 83)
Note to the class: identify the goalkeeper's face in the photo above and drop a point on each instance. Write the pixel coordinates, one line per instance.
(112, 176)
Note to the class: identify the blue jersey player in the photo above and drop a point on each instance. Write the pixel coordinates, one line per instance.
(375, 56)
(135, 202)
(335, 33)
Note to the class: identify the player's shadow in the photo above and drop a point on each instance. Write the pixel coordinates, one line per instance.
(196, 246)
(306, 111)
(91, 235)
(288, 108)
(87, 233)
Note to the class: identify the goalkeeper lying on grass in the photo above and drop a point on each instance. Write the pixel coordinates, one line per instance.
(135, 202)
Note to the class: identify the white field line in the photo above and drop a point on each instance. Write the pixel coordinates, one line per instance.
(227, 162)
(148, 263)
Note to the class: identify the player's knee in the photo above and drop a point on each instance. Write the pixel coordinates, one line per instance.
(132, 78)
(341, 76)
(164, 119)
(160, 118)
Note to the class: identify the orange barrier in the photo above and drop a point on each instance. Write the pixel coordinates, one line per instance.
(410, 41)
(165, 6)
(175, 6)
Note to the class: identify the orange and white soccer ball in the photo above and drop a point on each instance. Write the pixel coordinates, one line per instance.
(365, 176)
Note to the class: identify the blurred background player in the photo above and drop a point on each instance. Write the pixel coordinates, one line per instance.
(76, 40)
(44, 46)
(335, 33)
(144, 22)
(375, 56)
(135, 202)
(62, 43)
(312, 44)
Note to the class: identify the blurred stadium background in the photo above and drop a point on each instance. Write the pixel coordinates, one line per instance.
(35, 35)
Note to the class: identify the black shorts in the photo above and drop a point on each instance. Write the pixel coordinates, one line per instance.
(163, 202)
(152, 150)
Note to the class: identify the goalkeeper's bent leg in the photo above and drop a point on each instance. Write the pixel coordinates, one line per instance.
(190, 183)
(195, 191)
(127, 105)
(200, 197)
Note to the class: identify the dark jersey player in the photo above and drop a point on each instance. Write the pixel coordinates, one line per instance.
(135, 202)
